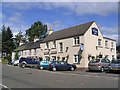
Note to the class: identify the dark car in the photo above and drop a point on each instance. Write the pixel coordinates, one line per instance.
(61, 65)
(28, 62)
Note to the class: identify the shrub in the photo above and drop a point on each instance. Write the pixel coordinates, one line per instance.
(16, 55)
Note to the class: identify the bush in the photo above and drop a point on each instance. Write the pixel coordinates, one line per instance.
(8, 59)
(16, 55)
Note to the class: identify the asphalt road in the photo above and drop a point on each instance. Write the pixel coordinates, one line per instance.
(16, 77)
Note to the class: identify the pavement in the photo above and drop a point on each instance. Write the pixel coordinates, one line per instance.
(16, 77)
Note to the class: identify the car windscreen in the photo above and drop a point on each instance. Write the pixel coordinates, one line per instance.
(95, 60)
(23, 59)
(116, 61)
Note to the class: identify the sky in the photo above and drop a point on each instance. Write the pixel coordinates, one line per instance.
(21, 15)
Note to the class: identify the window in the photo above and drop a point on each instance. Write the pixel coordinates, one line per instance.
(112, 56)
(25, 53)
(54, 44)
(34, 51)
(47, 45)
(61, 47)
(76, 41)
(107, 61)
(95, 60)
(76, 59)
(103, 61)
(29, 52)
(54, 57)
(112, 44)
(99, 42)
(106, 43)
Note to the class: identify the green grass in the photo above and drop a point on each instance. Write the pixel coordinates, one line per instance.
(3, 61)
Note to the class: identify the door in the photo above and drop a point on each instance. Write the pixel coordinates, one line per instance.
(64, 66)
(107, 64)
(103, 63)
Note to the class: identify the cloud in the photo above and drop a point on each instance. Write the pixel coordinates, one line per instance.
(111, 33)
(78, 8)
(60, 0)
(56, 25)
(15, 23)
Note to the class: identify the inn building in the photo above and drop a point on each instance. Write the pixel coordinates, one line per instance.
(77, 45)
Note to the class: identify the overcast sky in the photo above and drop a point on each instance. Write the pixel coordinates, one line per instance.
(20, 15)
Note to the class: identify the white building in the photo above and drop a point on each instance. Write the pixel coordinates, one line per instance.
(75, 44)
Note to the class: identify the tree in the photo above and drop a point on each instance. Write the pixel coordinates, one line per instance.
(7, 40)
(37, 29)
(118, 48)
(3, 38)
(19, 37)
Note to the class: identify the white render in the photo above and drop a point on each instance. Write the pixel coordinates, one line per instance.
(91, 47)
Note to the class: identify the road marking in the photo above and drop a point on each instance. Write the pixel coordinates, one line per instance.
(4, 86)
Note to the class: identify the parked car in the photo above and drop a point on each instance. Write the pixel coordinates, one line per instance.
(28, 62)
(61, 65)
(16, 62)
(115, 65)
(101, 64)
(44, 64)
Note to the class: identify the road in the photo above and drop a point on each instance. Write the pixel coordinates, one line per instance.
(16, 77)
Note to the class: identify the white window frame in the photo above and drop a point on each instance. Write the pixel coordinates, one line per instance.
(76, 40)
(112, 44)
(46, 45)
(60, 47)
(77, 57)
(106, 43)
(30, 52)
(99, 42)
(35, 52)
(54, 44)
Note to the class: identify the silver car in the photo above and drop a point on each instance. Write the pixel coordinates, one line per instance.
(115, 65)
(101, 64)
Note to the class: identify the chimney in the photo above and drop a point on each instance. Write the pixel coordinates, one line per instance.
(50, 31)
(36, 38)
(21, 42)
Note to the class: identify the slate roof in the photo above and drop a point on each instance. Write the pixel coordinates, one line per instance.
(27, 46)
(109, 38)
(69, 32)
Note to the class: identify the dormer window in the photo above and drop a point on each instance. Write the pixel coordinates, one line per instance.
(76, 41)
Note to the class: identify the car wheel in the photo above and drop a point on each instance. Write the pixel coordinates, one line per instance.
(72, 69)
(90, 70)
(102, 69)
(54, 69)
(41, 67)
(23, 65)
(18, 64)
